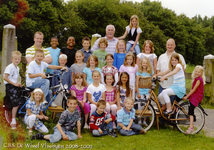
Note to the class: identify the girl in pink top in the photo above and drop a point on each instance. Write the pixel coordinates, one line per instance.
(78, 89)
(110, 95)
(130, 67)
(196, 94)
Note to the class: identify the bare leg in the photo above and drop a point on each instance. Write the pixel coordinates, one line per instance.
(191, 121)
(169, 107)
(163, 107)
(47, 137)
(86, 118)
(14, 111)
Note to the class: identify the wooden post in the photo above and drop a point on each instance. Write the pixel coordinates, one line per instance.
(94, 38)
(209, 86)
(8, 46)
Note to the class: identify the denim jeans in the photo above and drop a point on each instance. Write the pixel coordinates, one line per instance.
(136, 128)
(104, 127)
(44, 84)
(56, 136)
(136, 48)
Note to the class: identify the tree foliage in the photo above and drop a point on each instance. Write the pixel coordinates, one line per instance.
(79, 18)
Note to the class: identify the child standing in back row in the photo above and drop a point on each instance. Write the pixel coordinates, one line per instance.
(196, 94)
(86, 42)
(133, 31)
(120, 54)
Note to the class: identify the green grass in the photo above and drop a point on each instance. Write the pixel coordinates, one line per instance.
(190, 68)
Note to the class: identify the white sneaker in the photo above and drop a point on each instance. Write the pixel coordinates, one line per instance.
(145, 124)
(45, 102)
(53, 104)
(86, 126)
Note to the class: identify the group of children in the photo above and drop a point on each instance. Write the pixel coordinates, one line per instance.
(105, 85)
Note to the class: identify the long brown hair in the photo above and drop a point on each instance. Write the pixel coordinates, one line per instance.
(95, 59)
(176, 56)
(133, 57)
(78, 76)
(128, 90)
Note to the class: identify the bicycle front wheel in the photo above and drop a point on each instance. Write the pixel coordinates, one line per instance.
(82, 114)
(183, 125)
(148, 118)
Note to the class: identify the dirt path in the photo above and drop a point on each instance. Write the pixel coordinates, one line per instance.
(209, 123)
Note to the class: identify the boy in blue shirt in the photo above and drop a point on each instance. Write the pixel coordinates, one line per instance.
(54, 51)
(125, 118)
(86, 42)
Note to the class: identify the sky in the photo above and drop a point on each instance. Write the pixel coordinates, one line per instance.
(188, 7)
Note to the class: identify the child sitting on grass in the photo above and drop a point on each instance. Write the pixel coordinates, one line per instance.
(125, 118)
(101, 123)
(65, 127)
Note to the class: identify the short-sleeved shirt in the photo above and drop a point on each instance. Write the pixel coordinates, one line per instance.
(96, 92)
(163, 65)
(110, 95)
(88, 73)
(124, 117)
(13, 72)
(122, 94)
(34, 68)
(119, 59)
(110, 49)
(132, 32)
(151, 57)
(70, 54)
(143, 91)
(36, 111)
(86, 54)
(131, 71)
(30, 52)
(68, 120)
(79, 93)
(101, 57)
(55, 57)
(77, 69)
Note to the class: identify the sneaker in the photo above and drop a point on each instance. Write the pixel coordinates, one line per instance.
(139, 122)
(13, 126)
(45, 102)
(53, 104)
(145, 124)
(143, 131)
(112, 133)
(38, 136)
(86, 126)
(189, 131)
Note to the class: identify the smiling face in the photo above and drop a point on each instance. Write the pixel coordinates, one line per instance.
(16, 59)
(124, 78)
(134, 22)
(101, 109)
(62, 61)
(170, 45)
(110, 32)
(54, 42)
(86, 44)
(38, 39)
(144, 64)
(129, 60)
(147, 49)
(129, 104)
(109, 60)
(92, 62)
(102, 46)
(71, 42)
(79, 57)
(39, 57)
(78, 81)
(37, 96)
(121, 47)
(198, 73)
(72, 105)
(109, 79)
(174, 61)
(96, 77)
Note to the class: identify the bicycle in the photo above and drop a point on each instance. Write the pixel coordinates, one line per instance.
(60, 89)
(180, 118)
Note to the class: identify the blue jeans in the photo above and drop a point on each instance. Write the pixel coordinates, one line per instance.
(44, 84)
(136, 48)
(136, 128)
(104, 127)
(56, 136)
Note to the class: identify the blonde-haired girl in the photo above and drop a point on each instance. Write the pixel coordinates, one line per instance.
(79, 64)
(130, 67)
(120, 54)
(196, 94)
(178, 88)
(148, 51)
(34, 107)
(133, 31)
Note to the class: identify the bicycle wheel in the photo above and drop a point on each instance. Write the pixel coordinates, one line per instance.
(82, 115)
(148, 118)
(183, 125)
(64, 102)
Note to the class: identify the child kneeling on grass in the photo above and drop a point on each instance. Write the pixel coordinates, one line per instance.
(67, 121)
(125, 118)
(101, 123)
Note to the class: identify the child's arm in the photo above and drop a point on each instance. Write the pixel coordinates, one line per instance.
(161, 73)
(43, 116)
(64, 136)
(73, 93)
(57, 67)
(9, 81)
(90, 99)
(138, 93)
(192, 90)
(84, 76)
(155, 61)
(37, 75)
(79, 129)
(118, 99)
(72, 74)
(84, 97)
(130, 124)
(138, 61)
(124, 35)
(48, 59)
(170, 74)
(135, 43)
(104, 96)
(130, 94)
(110, 119)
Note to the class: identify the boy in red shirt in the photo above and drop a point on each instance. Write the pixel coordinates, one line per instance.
(101, 123)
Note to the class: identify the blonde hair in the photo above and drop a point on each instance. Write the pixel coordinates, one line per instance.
(95, 71)
(103, 40)
(117, 50)
(151, 45)
(101, 102)
(176, 56)
(95, 59)
(134, 17)
(80, 52)
(39, 33)
(32, 95)
(201, 70)
(129, 98)
(63, 56)
(133, 57)
(16, 53)
(78, 76)
(149, 66)
(39, 51)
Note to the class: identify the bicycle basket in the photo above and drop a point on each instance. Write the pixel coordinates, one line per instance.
(145, 82)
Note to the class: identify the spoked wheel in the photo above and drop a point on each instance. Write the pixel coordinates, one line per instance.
(183, 125)
(147, 119)
(82, 121)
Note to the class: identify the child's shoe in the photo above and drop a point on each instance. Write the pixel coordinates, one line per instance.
(112, 133)
(86, 126)
(145, 124)
(13, 126)
(53, 104)
(38, 136)
(143, 131)
(189, 131)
